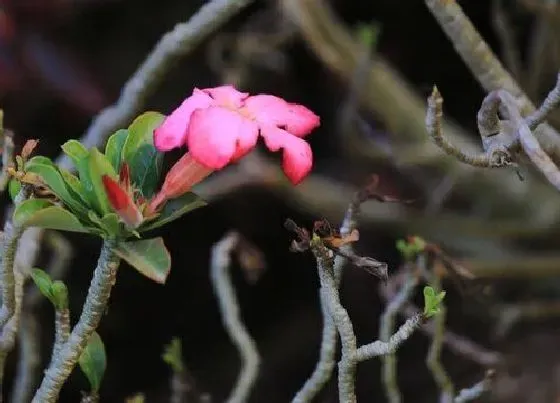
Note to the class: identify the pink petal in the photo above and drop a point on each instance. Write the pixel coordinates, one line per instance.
(172, 132)
(227, 95)
(180, 179)
(271, 110)
(297, 159)
(217, 135)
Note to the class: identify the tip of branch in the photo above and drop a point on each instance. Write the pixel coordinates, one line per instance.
(435, 91)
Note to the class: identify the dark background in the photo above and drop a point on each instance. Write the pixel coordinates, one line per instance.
(62, 61)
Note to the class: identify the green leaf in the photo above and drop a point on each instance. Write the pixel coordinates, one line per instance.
(40, 159)
(432, 301)
(174, 209)
(44, 214)
(109, 224)
(368, 34)
(149, 256)
(98, 166)
(114, 147)
(28, 208)
(75, 188)
(54, 180)
(140, 153)
(59, 293)
(75, 150)
(43, 282)
(173, 356)
(93, 361)
(14, 186)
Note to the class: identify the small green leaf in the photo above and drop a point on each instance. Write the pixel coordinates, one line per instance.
(141, 155)
(40, 159)
(59, 293)
(28, 208)
(409, 249)
(43, 282)
(93, 361)
(114, 147)
(54, 180)
(432, 301)
(149, 256)
(75, 150)
(173, 356)
(368, 34)
(99, 165)
(44, 214)
(112, 224)
(14, 186)
(174, 209)
(74, 187)
(401, 245)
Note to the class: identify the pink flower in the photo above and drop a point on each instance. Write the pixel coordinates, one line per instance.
(221, 125)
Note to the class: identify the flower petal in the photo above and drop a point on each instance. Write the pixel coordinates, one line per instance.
(297, 158)
(218, 135)
(183, 175)
(173, 130)
(271, 110)
(227, 95)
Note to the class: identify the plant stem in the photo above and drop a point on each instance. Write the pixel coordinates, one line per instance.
(340, 317)
(12, 286)
(61, 330)
(63, 363)
(389, 375)
(12, 235)
(231, 318)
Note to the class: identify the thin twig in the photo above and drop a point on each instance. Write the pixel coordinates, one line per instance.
(389, 375)
(551, 102)
(351, 354)
(229, 309)
(104, 278)
(12, 281)
(326, 363)
(482, 62)
(474, 51)
(30, 331)
(434, 116)
(29, 358)
(475, 391)
(7, 142)
(433, 360)
(378, 348)
(455, 342)
(348, 362)
(523, 134)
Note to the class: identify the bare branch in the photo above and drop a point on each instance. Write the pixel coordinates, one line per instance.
(229, 308)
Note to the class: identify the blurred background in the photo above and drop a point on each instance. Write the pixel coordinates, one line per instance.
(366, 67)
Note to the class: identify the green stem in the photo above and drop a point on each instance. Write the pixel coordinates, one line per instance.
(63, 363)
